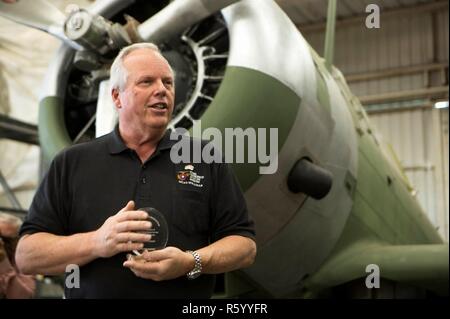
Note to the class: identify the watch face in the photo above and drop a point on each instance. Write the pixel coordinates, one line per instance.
(194, 274)
(159, 230)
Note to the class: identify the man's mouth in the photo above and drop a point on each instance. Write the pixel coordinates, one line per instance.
(158, 106)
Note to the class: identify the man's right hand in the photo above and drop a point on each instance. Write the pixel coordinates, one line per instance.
(118, 233)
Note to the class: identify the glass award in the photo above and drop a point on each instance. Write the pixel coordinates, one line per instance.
(159, 231)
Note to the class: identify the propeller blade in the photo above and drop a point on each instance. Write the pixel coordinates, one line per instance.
(177, 17)
(38, 14)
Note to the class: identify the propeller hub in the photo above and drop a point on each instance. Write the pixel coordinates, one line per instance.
(94, 32)
(76, 23)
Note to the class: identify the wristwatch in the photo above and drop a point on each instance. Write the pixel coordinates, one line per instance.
(197, 271)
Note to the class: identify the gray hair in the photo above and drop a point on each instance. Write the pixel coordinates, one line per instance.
(119, 74)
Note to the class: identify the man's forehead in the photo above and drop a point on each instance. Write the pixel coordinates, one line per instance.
(144, 54)
(137, 59)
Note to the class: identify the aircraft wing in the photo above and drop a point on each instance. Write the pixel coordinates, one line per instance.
(424, 266)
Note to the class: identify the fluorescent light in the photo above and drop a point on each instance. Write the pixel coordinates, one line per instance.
(441, 105)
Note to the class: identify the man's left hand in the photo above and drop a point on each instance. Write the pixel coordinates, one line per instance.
(158, 265)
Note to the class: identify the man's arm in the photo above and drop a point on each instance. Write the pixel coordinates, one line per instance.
(227, 254)
(45, 253)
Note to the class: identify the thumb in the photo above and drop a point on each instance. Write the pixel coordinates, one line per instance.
(129, 206)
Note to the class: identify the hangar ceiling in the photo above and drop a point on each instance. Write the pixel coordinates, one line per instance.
(305, 12)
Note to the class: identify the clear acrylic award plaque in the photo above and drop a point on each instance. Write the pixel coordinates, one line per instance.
(159, 231)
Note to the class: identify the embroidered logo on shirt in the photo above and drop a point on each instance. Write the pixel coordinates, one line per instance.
(189, 177)
(183, 176)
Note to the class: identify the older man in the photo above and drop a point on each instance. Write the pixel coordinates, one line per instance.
(78, 214)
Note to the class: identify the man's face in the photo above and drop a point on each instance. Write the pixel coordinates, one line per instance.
(147, 100)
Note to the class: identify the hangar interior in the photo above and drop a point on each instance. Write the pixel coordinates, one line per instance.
(399, 72)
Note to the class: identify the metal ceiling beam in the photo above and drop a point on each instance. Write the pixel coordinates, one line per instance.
(17, 130)
(388, 73)
(426, 7)
(399, 106)
(434, 92)
(9, 192)
(20, 213)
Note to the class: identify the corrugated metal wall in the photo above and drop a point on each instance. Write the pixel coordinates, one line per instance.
(402, 41)
(419, 133)
(442, 35)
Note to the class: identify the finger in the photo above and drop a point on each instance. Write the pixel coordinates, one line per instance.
(131, 215)
(133, 225)
(128, 206)
(129, 246)
(136, 258)
(144, 267)
(143, 275)
(129, 264)
(144, 270)
(132, 265)
(157, 255)
(133, 237)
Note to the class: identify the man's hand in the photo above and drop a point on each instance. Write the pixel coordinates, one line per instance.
(164, 264)
(118, 233)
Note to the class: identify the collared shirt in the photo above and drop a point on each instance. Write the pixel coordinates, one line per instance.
(89, 182)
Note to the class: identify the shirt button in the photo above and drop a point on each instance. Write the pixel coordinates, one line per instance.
(144, 166)
(144, 180)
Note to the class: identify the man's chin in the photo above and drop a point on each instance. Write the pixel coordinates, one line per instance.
(159, 125)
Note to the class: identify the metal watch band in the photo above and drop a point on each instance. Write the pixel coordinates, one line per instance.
(194, 273)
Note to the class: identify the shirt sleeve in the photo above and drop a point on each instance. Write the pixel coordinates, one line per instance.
(48, 211)
(231, 216)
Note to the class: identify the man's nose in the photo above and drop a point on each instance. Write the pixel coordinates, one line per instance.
(160, 88)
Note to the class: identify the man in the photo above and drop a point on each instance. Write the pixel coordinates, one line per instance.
(78, 214)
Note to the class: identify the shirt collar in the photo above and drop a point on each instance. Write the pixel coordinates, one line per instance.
(117, 145)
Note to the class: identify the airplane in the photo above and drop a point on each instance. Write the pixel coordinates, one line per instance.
(337, 218)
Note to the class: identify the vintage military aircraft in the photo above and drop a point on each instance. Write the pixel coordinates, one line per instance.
(337, 213)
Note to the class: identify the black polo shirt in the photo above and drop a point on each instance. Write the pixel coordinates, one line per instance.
(89, 182)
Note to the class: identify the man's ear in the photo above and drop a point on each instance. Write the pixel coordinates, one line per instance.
(115, 97)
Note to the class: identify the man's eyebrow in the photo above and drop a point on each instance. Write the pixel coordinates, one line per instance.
(150, 77)
(145, 77)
